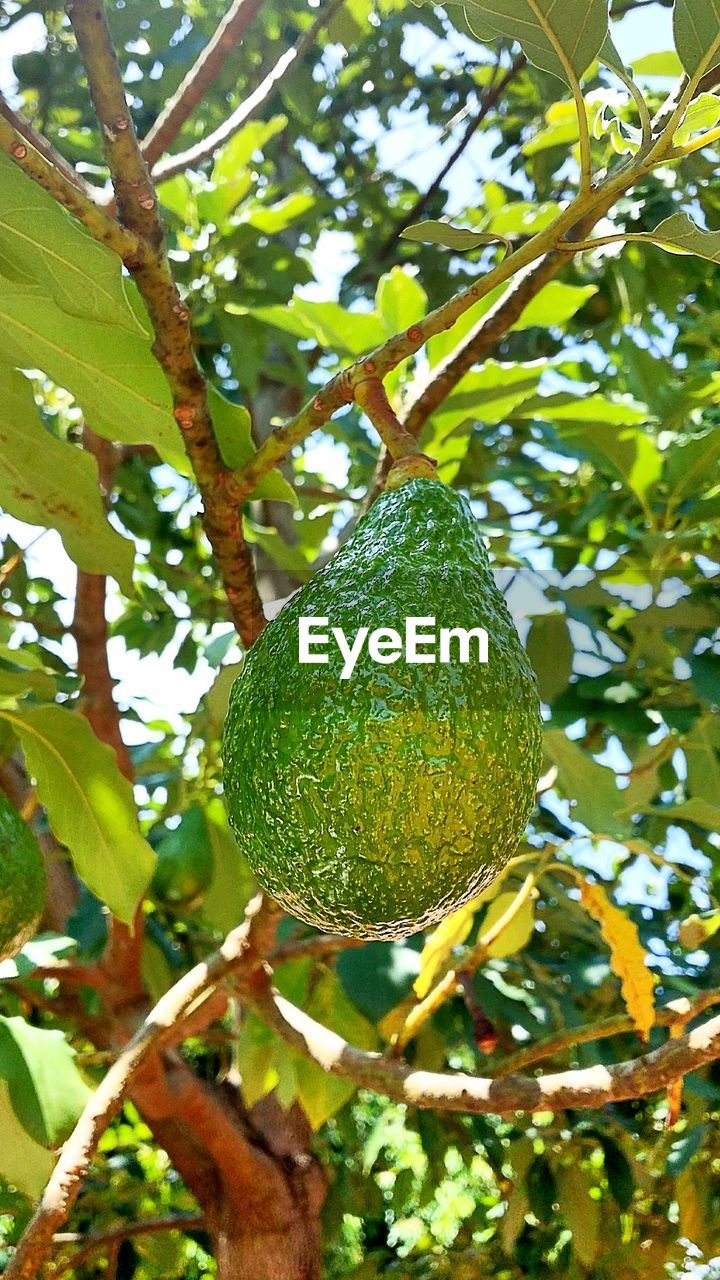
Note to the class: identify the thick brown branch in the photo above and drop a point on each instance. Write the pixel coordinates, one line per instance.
(199, 79)
(173, 348)
(248, 944)
(248, 108)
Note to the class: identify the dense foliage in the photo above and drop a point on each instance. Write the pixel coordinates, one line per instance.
(588, 441)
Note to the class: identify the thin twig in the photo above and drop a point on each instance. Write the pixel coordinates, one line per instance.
(248, 108)
(618, 1025)
(199, 79)
(488, 101)
(103, 1239)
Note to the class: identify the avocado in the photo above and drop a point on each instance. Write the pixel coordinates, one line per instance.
(23, 884)
(185, 865)
(373, 804)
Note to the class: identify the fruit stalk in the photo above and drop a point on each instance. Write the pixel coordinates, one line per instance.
(409, 460)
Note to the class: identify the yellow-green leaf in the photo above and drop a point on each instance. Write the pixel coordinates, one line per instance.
(23, 1162)
(517, 932)
(451, 933)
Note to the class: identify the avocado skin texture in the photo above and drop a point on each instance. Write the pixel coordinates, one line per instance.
(23, 884)
(374, 806)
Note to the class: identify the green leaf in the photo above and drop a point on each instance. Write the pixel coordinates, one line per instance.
(554, 34)
(487, 396)
(551, 651)
(631, 452)
(701, 812)
(541, 1188)
(705, 668)
(23, 1162)
(554, 305)
(691, 465)
(47, 482)
(321, 1094)
(618, 1172)
(233, 428)
(589, 785)
(82, 277)
(701, 746)
(684, 1148)
(680, 234)
(230, 178)
(580, 1211)
(400, 300)
(560, 130)
(46, 1089)
(233, 884)
(329, 324)
(445, 234)
(658, 64)
(110, 371)
(89, 804)
(697, 34)
(702, 114)
(271, 219)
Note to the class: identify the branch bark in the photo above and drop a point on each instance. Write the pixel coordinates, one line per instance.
(39, 161)
(248, 944)
(593, 1087)
(173, 348)
(104, 1239)
(201, 76)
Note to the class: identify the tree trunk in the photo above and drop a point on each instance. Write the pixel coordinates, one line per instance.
(292, 1253)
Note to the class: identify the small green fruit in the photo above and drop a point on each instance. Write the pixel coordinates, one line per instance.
(23, 884)
(185, 864)
(376, 804)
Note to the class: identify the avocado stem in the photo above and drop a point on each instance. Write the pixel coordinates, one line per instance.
(403, 447)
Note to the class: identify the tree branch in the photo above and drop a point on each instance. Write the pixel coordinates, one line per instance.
(199, 79)
(480, 341)
(593, 1087)
(18, 141)
(173, 348)
(620, 1024)
(103, 1239)
(247, 945)
(490, 99)
(46, 149)
(206, 148)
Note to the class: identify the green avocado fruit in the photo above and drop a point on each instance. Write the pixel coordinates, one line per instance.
(372, 806)
(185, 863)
(23, 884)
